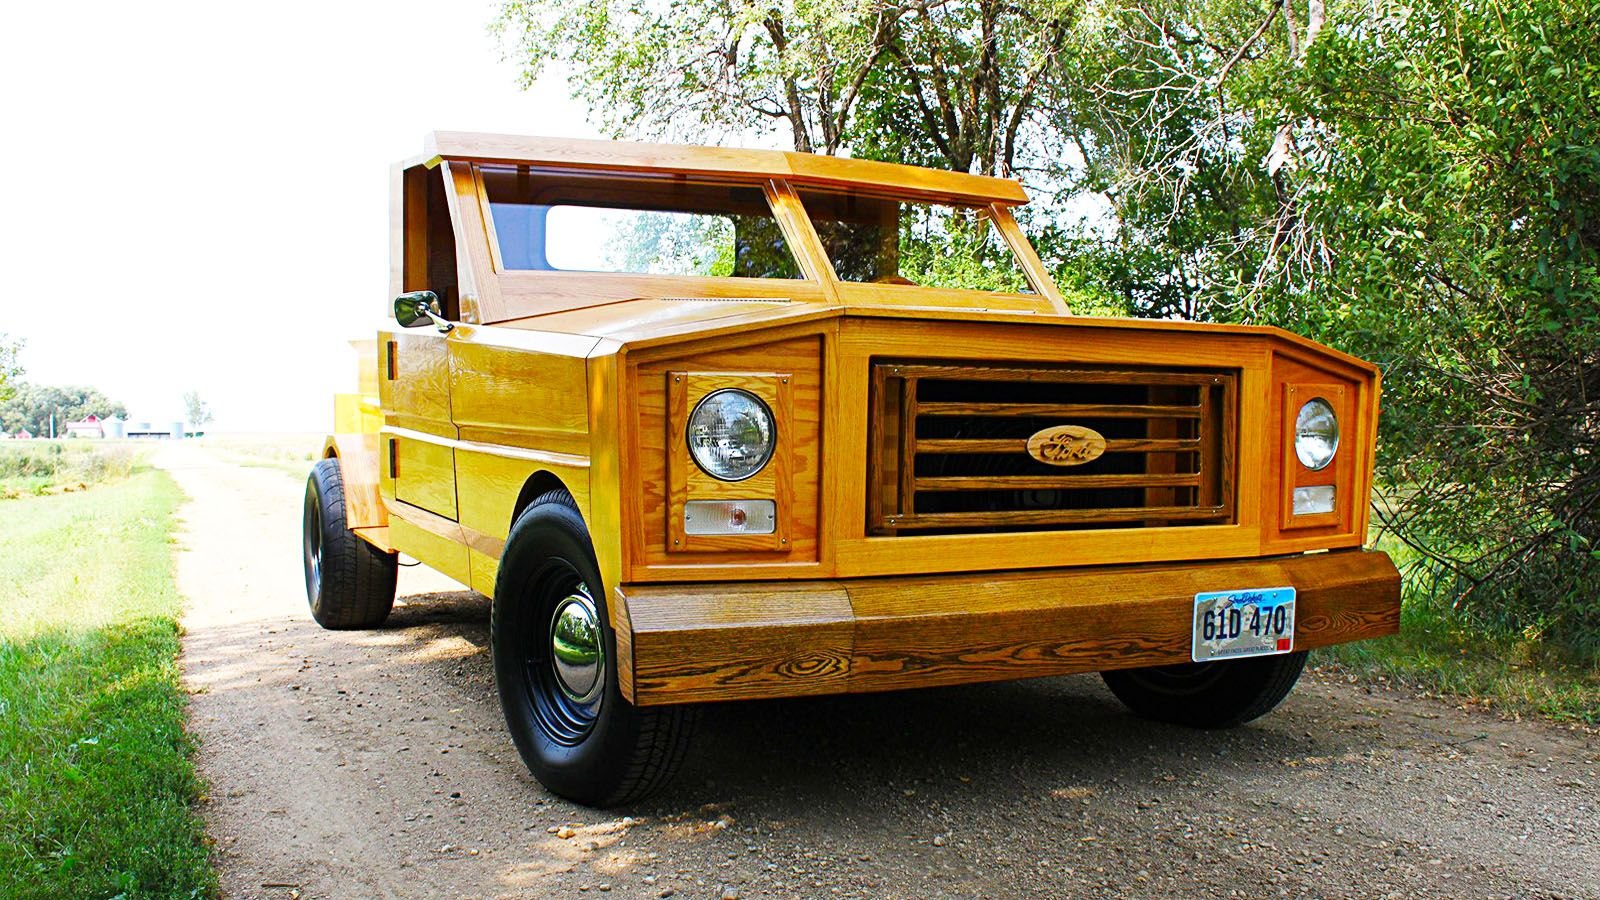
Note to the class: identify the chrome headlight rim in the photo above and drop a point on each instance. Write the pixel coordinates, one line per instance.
(1318, 407)
(771, 427)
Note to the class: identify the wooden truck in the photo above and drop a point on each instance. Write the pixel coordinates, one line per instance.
(711, 424)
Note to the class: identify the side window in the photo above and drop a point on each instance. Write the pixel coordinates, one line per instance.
(644, 225)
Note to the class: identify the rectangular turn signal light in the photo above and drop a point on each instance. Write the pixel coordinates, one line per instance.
(730, 517)
(1314, 500)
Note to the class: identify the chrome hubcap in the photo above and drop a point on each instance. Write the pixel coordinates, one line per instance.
(577, 652)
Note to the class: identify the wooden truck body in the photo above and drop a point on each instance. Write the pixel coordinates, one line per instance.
(961, 485)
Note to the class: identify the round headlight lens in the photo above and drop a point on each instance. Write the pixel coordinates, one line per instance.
(1316, 434)
(731, 434)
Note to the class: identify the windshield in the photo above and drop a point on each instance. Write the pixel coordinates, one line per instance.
(883, 240)
(647, 225)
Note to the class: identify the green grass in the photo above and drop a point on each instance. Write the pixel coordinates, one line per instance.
(1507, 674)
(1437, 653)
(33, 468)
(96, 784)
(291, 454)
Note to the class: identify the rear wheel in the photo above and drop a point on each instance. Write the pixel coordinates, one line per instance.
(556, 669)
(349, 582)
(1208, 694)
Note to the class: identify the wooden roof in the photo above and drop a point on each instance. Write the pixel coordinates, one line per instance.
(801, 168)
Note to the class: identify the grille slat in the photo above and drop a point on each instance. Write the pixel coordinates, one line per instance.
(1021, 446)
(1053, 483)
(1049, 517)
(1080, 410)
(949, 447)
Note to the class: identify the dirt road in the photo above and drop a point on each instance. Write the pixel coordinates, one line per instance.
(377, 765)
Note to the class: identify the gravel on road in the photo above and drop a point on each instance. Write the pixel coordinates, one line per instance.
(376, 764)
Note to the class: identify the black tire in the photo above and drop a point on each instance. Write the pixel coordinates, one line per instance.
(1209, 694)
(349, 582)
(596, 749)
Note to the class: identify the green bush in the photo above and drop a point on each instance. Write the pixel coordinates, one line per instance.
(1464, 227)
(39, 466)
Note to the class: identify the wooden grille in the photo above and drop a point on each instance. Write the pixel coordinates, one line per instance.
(948, 450)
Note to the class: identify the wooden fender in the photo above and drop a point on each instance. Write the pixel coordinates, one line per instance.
(364, 512)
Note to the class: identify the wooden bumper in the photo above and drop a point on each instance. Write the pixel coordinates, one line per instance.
(686, 643)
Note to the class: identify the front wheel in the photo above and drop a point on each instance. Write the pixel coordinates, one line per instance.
(1209, 694)
(556, 669)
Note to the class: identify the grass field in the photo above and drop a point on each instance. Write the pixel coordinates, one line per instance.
(1440, 655)
(288, 452)
(96, 784)
(34, 468)
(1505, 674)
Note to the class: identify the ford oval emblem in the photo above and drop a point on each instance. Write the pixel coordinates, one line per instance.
(1066, 445)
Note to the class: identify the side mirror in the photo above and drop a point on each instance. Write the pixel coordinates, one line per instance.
(420, 308)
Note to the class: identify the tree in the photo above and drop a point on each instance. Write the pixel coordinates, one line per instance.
(34, 407)
(953, 84)
(10, 369)
(1415, 181)
(1459, 202)
(196, 410)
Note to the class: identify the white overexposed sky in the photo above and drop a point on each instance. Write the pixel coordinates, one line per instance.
(197, 193)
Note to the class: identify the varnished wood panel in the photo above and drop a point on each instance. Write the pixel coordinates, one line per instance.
(710, 642)
(843, 542)
(518, 397)
(1297, 378)
(952, 630)
(797, 358)
(490, 480)
(686, 481)
(645, 322)
(1112, 330)
(424, 473)
(912, 299)
(738, 641)
(622, 632)
(538, 293)
(483, 569)
(377, 536)
(1340, 472)
(480, 290)
(441, 552)
(418, 396)
(807, 168)
(609, 444)
(359, 468)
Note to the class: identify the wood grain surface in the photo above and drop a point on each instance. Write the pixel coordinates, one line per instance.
(804, 168)
(700, 642)
(358, 464)
(788, 375)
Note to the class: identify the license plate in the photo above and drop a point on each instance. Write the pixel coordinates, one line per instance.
(1251, 622)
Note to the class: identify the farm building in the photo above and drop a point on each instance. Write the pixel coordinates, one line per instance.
(90, 427)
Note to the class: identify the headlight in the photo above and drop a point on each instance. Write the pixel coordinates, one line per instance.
(731, 434)
(1316, 434)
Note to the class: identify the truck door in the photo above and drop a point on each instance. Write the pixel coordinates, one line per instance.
(419, 437)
